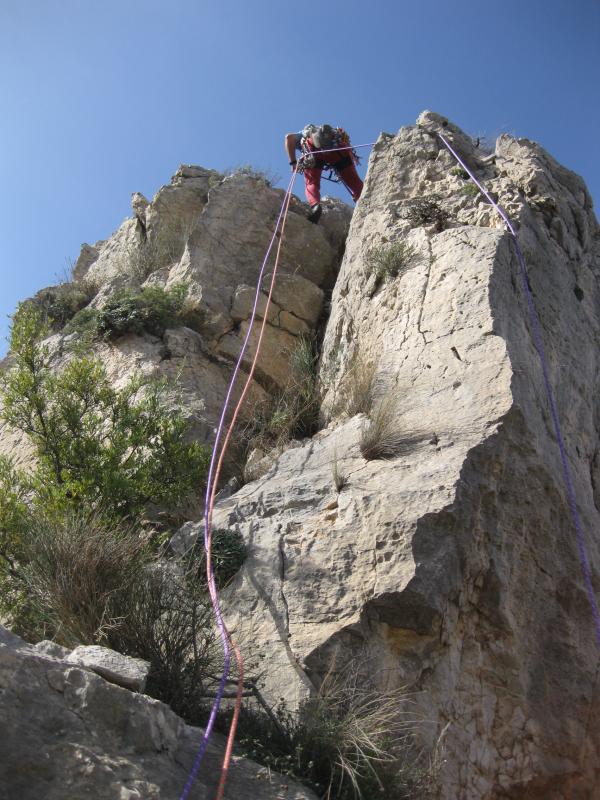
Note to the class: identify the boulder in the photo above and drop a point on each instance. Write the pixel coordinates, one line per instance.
(65, 733)
(131, 673)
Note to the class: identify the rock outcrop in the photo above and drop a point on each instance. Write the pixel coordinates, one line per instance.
(452, 565)
(67, 733)
(455, 562)
(211, 233)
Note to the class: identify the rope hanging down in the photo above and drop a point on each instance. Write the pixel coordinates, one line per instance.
(539, 346)
(216, 461)
(213, 472)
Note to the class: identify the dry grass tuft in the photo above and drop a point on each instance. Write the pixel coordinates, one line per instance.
(383, 436)
(74, 570)
(339, 477)
(356, 390)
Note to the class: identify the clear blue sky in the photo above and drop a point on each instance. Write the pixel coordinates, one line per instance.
(100, 99)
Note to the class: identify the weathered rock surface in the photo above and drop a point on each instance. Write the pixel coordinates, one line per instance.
(125, 671)
(210, 232)
(67, 733)
(455, 562)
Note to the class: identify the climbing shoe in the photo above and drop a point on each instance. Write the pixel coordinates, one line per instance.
(315, 213)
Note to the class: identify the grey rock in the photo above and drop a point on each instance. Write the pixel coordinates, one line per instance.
(86, 258)
(67, 733)
(131, 673)
(183, 541)
(52, 649)
(454, 565)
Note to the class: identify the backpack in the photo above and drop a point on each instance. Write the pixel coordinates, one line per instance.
(324, 137)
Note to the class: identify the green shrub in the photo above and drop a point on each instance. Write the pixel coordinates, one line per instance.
(459, 172)
(390, 260)
(112, 449)
(228, 553)
(427, 211)
(58, 304)
(85, 323)
(470, 190)
(152, 309)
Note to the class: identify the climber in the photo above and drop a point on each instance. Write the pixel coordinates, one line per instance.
(323, 137)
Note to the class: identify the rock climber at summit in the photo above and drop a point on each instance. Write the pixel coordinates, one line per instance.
(342, 161)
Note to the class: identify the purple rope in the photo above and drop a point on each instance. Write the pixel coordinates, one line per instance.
(212, 587)
(537, 340)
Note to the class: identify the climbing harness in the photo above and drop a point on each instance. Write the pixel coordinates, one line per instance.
(539, 346)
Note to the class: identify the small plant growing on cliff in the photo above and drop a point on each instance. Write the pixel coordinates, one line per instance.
(289, 412)
(427, 211)
(152, 309)
(470, 190)
(268, 177)
(390, 261)
(339, 477)
(58, 304)
(228, 553)
(156, 251)
(350, 741)
(383, 436)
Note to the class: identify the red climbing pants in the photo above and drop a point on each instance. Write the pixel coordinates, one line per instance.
(346, 172)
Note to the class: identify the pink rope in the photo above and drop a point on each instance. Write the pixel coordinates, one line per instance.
(208, 505)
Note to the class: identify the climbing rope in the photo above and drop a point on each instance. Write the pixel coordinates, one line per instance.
(216, 462)
(538, 343)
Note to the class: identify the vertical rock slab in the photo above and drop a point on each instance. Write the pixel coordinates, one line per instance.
(454, 563)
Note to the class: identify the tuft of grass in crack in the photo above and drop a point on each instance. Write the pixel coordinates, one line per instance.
(383, 436)
(390, 261)
(349, 741)
(291, 412)
(339, 477)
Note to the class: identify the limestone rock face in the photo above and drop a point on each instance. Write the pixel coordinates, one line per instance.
(210, 232)
(454, 563)
(66, 733)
